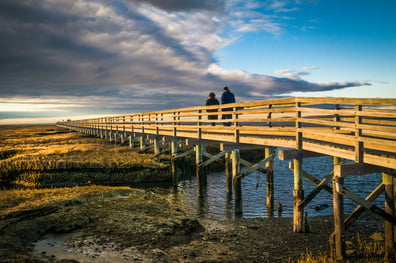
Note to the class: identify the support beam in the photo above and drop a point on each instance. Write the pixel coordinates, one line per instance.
(289, 154)
(359, 169)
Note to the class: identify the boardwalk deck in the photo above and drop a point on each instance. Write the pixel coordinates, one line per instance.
(362, 131)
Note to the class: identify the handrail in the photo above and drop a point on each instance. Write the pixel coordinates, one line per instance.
(359, 129)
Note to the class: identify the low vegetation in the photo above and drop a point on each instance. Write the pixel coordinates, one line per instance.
(46, 155)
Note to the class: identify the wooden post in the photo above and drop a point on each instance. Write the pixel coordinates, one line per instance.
(156, 145)
(338, 206)
(199, 169)
(298, 194)
(130, 141)
(227, 166)
(173, 163)
(236, 181)
(142, 142)
(269, 182)
(389, 228)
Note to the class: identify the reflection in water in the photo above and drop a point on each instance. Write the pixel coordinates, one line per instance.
(217, 204)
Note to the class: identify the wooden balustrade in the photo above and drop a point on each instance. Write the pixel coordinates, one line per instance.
(362, 130)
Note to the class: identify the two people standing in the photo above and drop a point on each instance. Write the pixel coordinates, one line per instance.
(226, 97)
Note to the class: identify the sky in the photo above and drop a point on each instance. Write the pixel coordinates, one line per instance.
(73, 59)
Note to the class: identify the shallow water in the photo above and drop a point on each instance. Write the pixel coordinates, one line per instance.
(216, 205)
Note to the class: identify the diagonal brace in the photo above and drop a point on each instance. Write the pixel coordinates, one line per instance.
(365, 203)
(255, 166)
(213, 158)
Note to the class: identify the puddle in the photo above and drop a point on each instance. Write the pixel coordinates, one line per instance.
(72, 246)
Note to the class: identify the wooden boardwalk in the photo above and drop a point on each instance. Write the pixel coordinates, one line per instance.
(360, 134)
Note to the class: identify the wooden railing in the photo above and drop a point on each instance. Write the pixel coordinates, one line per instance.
(362, 130)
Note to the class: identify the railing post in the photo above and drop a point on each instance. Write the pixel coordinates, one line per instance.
(199, 129)
(358, 134)
(336, 117)
(269, 115)
(236, 124)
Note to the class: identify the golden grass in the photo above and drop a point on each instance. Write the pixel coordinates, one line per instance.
(362, 251)
(29, 150)
(21, 200)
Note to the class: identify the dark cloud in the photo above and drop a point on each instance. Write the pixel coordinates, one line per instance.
(186, 5)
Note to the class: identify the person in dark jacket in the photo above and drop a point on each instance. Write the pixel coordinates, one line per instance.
(212, 101)
(227, 97)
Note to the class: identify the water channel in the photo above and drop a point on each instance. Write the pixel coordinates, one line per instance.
(217, 205)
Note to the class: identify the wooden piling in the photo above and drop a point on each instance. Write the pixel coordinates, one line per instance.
(142, 142)
(227, 169)
(199, 169)
(338, 236)
(175, 180)
(389, 228)
(298, 194)
(236, 181)
(157, 149)
(269, 182)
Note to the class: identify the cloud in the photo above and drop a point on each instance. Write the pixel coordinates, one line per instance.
(132, 55)
(177, 5)
(295, 74)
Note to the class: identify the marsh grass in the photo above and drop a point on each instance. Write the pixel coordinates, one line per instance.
(367, 250)
(28, 154)
(17, 201)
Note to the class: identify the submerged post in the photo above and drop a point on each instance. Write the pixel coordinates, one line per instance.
(236, 181)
